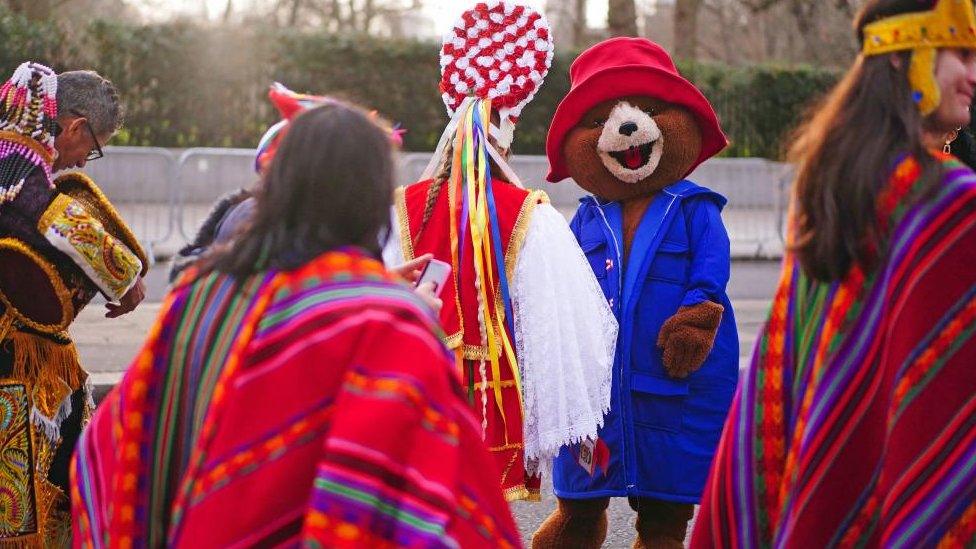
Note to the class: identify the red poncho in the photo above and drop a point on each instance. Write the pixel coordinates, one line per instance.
(314, 406)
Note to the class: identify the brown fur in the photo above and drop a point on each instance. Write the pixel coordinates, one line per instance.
(661, 524)
(688, 336)
(633, 212)
(575, 524)
(682, 144)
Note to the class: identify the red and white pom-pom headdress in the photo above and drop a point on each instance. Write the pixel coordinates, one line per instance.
(497, 50)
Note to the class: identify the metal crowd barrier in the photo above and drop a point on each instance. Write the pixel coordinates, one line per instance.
(166, 194)
(205, 175)
(756, 190)
(141, 183)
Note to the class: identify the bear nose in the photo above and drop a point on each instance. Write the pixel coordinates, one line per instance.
(628, 128)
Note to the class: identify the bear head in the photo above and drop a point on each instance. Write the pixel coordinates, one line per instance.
(632, 146)
(631, 124)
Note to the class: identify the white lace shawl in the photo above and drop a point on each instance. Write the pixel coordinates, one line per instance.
(565, 337)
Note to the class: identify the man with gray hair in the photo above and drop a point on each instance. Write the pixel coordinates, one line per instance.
(89, 114)
(61, 242)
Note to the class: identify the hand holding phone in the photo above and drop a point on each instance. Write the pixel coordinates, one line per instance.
(436, 273)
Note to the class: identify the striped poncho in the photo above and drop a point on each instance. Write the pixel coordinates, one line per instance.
(316, 406)
(856, 423)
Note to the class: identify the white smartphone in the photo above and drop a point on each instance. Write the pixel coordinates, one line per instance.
(435, 272)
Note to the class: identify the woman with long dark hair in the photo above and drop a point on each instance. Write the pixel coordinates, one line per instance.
(856, 423)
(293, 392)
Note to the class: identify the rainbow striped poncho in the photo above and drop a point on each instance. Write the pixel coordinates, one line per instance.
(856, 422)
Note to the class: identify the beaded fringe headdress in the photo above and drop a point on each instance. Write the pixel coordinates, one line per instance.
(28, 110)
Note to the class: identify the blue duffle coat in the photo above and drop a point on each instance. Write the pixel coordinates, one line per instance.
(661, 432)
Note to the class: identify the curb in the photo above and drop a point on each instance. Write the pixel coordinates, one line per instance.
(102, 383)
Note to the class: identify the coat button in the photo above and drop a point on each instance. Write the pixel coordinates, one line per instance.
(609, 264)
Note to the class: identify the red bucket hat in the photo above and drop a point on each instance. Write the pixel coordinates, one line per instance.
(627, 66)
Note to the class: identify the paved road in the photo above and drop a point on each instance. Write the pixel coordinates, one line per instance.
(107, 346)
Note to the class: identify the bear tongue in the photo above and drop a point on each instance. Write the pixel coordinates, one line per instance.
(632, 158)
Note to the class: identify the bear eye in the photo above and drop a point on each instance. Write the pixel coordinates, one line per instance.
(649, 110)
(599, 122)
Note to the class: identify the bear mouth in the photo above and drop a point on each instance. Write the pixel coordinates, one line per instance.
(633, 157)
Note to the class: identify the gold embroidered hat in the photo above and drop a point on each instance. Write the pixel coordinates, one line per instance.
(949, 24)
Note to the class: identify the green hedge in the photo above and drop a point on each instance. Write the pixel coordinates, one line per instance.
(187, 85)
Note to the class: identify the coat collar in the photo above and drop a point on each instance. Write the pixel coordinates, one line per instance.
(650, 231)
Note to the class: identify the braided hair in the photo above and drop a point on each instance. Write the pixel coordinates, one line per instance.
(444, 173)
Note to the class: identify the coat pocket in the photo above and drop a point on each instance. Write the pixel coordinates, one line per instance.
(670, 263)
(658, 402)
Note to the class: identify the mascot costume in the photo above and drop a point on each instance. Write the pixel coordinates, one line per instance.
(629, 131)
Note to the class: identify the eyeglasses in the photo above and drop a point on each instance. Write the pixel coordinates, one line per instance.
(96, 152)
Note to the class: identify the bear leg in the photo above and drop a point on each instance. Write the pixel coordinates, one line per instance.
(575, 524)
(661, 524)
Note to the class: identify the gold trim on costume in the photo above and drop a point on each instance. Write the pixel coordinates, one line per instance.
(453, 341)
(518, 493)
(60, 290)
(80, 234)
(521, 229)
(83, 189)
(38, 359)
(476, 352)
(508, 468)
(7, 320)
(503, 384)
(406, 243)
(29, 143)
(54, 210)
(511, 446)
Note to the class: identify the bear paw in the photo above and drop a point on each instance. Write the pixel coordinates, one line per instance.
(688, 336)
